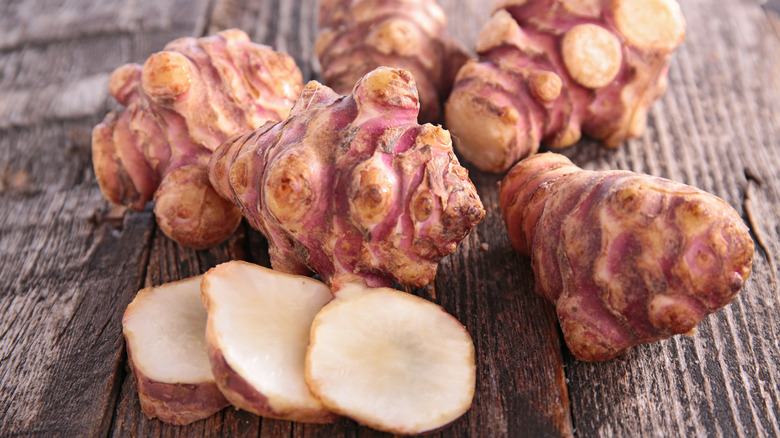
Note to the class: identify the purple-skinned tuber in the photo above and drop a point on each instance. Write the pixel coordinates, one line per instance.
(181, 104)
(357, 36)
(550, 70)
(351, 187)
(626, 258)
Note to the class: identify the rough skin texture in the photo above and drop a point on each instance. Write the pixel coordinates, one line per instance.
(357, 36)
(351, 187)
(550, 70)
(626, 258)
(181, 105)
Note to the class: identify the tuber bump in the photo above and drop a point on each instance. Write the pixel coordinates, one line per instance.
(181, 105)
(625, 258)
(165, 332)
(352, 187)
(550, 70)
(357, 36)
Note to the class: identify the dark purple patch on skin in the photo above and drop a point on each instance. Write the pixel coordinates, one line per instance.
(176, 403)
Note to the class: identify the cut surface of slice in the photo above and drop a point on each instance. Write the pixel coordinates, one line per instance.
(390, 360)
(257, 334)
(165, 332)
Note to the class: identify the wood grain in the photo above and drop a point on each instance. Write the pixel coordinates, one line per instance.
(70, 263)
(62, 308)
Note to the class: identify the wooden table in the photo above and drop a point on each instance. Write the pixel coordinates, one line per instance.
(70, 262)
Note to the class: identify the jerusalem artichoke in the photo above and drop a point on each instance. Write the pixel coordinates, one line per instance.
(626, 258)
(256, 337)
(277, 345)
(352, 187)
(550, 70)
(181, 105)
(411, 364)
(357, 36)
(165, 330)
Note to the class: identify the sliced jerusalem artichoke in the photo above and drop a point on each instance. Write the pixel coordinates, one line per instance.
(390, 360)
(165, 330)
(257, 333)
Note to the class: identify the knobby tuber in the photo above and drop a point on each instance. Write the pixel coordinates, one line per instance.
(357, 36)
(351, 187)
(181, 105)
(165, 333)
(550, 70)
(626, 258)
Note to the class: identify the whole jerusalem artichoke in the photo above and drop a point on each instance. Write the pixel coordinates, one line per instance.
(181, 105)
(626, 258)
(550, 70)
(351, 187)
(357, 36)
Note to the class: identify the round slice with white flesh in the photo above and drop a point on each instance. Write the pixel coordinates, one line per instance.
(390, 360)
(257, 333)
(165, 330)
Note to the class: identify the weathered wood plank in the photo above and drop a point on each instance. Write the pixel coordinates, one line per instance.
(70, 262)
(716, 128)
(40, 23)
(58, 343)
(521, 388)
(69, 80)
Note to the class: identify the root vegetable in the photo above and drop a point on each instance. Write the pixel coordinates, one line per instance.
(625, 258)
(410, 365)
(352, 187)
(181, 105)
(357, 36)
(257, 334)
(165, 330)
(550, 70)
